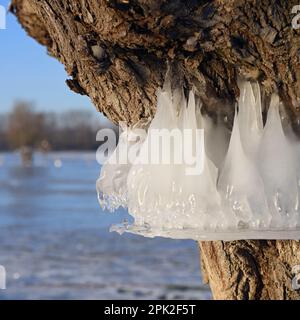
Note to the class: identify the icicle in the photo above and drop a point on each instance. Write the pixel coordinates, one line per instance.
(241, 186)
(171, 198)
(278, 168)
(200, 194)
(250, 118)
(149, 185)
(112, 183)
(258, 105)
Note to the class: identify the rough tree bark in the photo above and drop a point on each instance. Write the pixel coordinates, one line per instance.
(116, 52)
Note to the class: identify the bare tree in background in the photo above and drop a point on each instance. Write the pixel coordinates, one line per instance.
(25, 130)
(25, 126)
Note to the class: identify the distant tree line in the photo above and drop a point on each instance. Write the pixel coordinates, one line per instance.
(70, 130)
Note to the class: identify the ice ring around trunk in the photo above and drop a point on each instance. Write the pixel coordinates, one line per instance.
(191, 178)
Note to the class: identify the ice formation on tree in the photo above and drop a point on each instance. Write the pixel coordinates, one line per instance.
(248, 185)
(112, 183)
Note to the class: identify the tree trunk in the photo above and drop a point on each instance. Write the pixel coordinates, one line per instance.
(117, 51)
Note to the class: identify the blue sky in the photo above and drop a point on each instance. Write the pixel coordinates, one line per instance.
(28, 73)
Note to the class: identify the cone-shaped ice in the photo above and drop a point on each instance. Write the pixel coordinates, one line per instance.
(187, 179)
(174, 194)
(240, 184)
(278, 168)
(150, 184)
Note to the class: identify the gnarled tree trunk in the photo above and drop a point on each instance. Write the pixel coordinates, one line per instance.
(117, 51)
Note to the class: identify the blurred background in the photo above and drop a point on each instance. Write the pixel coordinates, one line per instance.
(54, 238)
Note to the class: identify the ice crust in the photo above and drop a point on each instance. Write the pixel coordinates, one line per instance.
(248, 188)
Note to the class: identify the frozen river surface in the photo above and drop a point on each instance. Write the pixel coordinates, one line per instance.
(55, 241)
